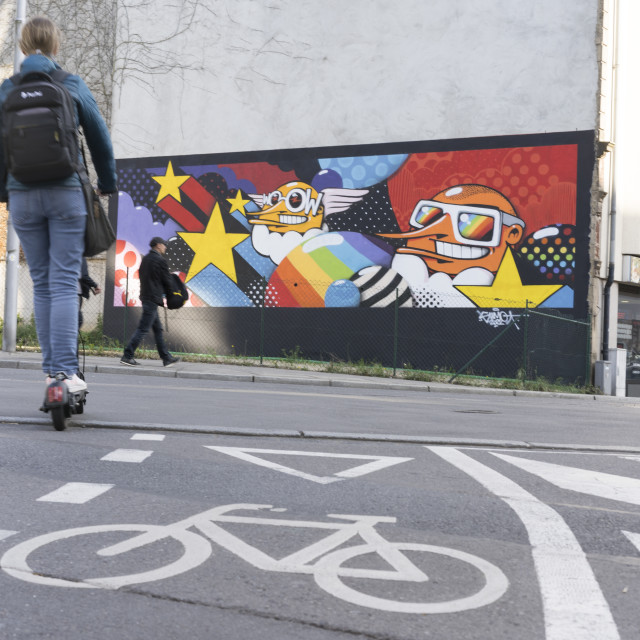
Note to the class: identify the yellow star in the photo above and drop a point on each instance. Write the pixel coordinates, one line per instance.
(237, 203)
(507, 289)
(170, 184)
(214, 246)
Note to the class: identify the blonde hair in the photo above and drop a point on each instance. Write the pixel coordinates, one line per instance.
(40, 35)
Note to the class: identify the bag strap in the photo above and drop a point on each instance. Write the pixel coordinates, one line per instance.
(83, 170)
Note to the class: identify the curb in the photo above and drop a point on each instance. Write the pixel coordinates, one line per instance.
(323, 381)
(330, 435)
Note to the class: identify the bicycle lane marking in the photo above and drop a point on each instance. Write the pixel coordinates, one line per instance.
(5, 533)
(196, 550)
(573, 603)
(326, 552)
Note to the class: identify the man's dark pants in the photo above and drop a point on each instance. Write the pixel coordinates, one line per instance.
(149, 320)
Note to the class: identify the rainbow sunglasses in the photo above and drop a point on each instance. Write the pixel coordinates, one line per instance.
(475, 225)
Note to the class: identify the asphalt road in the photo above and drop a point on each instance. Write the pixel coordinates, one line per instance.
(259, 408)
(326, 537)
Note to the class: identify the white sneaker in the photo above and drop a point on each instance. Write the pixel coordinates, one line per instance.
(75, 384)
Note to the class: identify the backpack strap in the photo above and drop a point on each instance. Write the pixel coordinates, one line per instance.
(59, 75)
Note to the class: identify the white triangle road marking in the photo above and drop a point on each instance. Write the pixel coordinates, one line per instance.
(595, 483)
(376, 462)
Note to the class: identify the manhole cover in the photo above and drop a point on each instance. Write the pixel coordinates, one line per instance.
(474, 411)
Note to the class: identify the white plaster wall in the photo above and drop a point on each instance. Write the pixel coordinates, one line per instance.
(301, 73)
(627, 133)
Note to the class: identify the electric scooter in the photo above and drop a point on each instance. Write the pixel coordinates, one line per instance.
(62, 403)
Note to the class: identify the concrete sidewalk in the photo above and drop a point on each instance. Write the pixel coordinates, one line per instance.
(277, 375)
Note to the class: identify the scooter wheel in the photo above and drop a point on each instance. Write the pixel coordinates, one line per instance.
(80, 406)
(58, 417)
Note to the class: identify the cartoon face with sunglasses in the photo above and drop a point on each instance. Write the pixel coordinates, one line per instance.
(465, 226)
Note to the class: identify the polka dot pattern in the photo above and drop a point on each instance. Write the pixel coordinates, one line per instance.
(551, 253)
(373, 214)
(364, 171)
(428, 298)
(138, 183)
(179, 254)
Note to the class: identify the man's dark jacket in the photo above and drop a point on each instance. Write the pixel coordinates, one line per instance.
(154, 278)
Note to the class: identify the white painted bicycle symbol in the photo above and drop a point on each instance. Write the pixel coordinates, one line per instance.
(322, 559)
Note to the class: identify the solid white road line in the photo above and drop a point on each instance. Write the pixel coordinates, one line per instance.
(127, 455)
(147, 436)
(573, 603)
(76, 492)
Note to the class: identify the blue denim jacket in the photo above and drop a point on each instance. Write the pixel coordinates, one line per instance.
(87, 116)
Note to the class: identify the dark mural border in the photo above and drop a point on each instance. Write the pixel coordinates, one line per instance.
(425, 338)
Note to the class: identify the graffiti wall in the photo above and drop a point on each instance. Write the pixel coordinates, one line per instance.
(482, 225)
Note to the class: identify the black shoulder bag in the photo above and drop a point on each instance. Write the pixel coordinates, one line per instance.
(99, 234)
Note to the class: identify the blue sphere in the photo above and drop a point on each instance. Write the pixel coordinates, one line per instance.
(342, 293)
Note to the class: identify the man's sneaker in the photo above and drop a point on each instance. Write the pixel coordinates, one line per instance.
(129, 361)
(170, 361)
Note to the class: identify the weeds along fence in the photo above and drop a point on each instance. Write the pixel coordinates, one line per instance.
(492, 338)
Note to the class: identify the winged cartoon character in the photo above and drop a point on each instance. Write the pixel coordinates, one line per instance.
(293, 213)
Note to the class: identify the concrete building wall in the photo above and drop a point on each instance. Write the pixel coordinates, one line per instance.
(299, 73)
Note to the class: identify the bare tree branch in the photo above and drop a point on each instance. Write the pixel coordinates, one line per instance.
(100, 44)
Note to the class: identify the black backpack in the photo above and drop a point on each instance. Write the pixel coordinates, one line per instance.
(39, 131)
(178, 294)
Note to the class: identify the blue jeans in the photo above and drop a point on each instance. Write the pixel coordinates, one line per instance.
(149, 320)
(50, 224)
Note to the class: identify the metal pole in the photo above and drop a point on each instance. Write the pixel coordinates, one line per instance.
(264, 293)
(395, 334)
(525, 354)
(13, 244)
(126, 309)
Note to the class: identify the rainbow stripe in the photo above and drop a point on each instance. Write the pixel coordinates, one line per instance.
(303, 277)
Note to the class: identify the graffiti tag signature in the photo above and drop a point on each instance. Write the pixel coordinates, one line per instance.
(497, 317)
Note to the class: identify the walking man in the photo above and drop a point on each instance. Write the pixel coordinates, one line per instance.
(154, 281)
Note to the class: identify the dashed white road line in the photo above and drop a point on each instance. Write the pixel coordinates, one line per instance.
(148, 436)
(127, 455)
(76, 492)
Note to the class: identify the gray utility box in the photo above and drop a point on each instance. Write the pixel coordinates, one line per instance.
(618, 359)
(602, 375)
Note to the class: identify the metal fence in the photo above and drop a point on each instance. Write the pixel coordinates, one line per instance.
(92, 309)
(496, 339)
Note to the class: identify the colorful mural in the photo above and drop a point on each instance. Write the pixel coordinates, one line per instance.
(480, 224)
